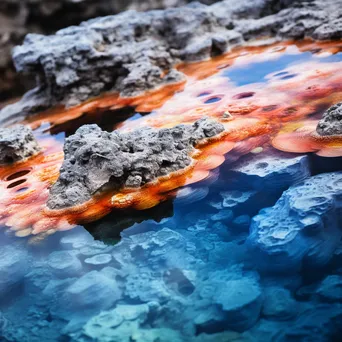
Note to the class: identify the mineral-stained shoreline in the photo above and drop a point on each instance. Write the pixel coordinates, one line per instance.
(132, 52)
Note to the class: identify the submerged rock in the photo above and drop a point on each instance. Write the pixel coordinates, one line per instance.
(92, 292)
(13, 268)
(279, 304)
(95, 159)
(241, 300)
(132, 52)
(253, 176)
(303, 227)
(17, 143)
(331, 123)
(120, 324)
(330, 289)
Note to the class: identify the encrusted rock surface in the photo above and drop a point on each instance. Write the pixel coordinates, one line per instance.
(301, 229)
(17, 18)
(133, 51)
(331, 123)
(17, 143)
(95, 158)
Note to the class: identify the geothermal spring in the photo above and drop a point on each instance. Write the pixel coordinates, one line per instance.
(173, 173)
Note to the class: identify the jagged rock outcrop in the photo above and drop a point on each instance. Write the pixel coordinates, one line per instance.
(331, 123)
(17, 143)
(132, 52)
(95, 158)
(302, 229)
(18, 18)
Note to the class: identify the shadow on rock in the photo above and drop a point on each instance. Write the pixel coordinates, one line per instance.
(109, 228)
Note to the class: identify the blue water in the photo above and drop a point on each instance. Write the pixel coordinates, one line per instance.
(211, 265)
(256, 72)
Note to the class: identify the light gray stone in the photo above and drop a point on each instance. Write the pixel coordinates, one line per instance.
(331, 123)
(17, 143)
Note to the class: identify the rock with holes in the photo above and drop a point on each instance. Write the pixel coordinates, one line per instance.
(94, 159)
(331, 123)
(258, 180)
(302, 229)
(130, 52)
(270, 171)
(18, 18)
(17, 143)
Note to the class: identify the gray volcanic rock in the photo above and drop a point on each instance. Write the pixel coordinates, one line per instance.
(17, 143)
(331, 123)
(95, 158)
(20, 17)
(132, 52)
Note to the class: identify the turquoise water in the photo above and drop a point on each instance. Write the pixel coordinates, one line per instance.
(210, 265)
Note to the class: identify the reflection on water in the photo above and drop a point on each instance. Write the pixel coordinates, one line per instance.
(211, 263)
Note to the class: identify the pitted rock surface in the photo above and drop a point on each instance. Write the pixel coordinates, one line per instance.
(331, 123)
(17, 143)
(302, 229)
(95, 158)
(132, 51)
(18, 17)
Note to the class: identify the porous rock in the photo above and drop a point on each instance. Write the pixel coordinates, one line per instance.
(331, 123)
(64, 264)
(17, 18)
(17, 143)
(132, 51)
(95, 158)
(301, 229)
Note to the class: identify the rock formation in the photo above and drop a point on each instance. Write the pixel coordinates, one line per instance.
(132, 52)
(95, 159)
(18, 18)
(301, 229)
(17, 143)
(331, 123)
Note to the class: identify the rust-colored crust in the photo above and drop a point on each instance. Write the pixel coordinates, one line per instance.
(280, 112)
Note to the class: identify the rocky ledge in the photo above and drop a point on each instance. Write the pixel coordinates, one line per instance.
(17, 18)
(331, 123)
(95, 159)
(132, 52)
(302, 229)
(17, 143)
